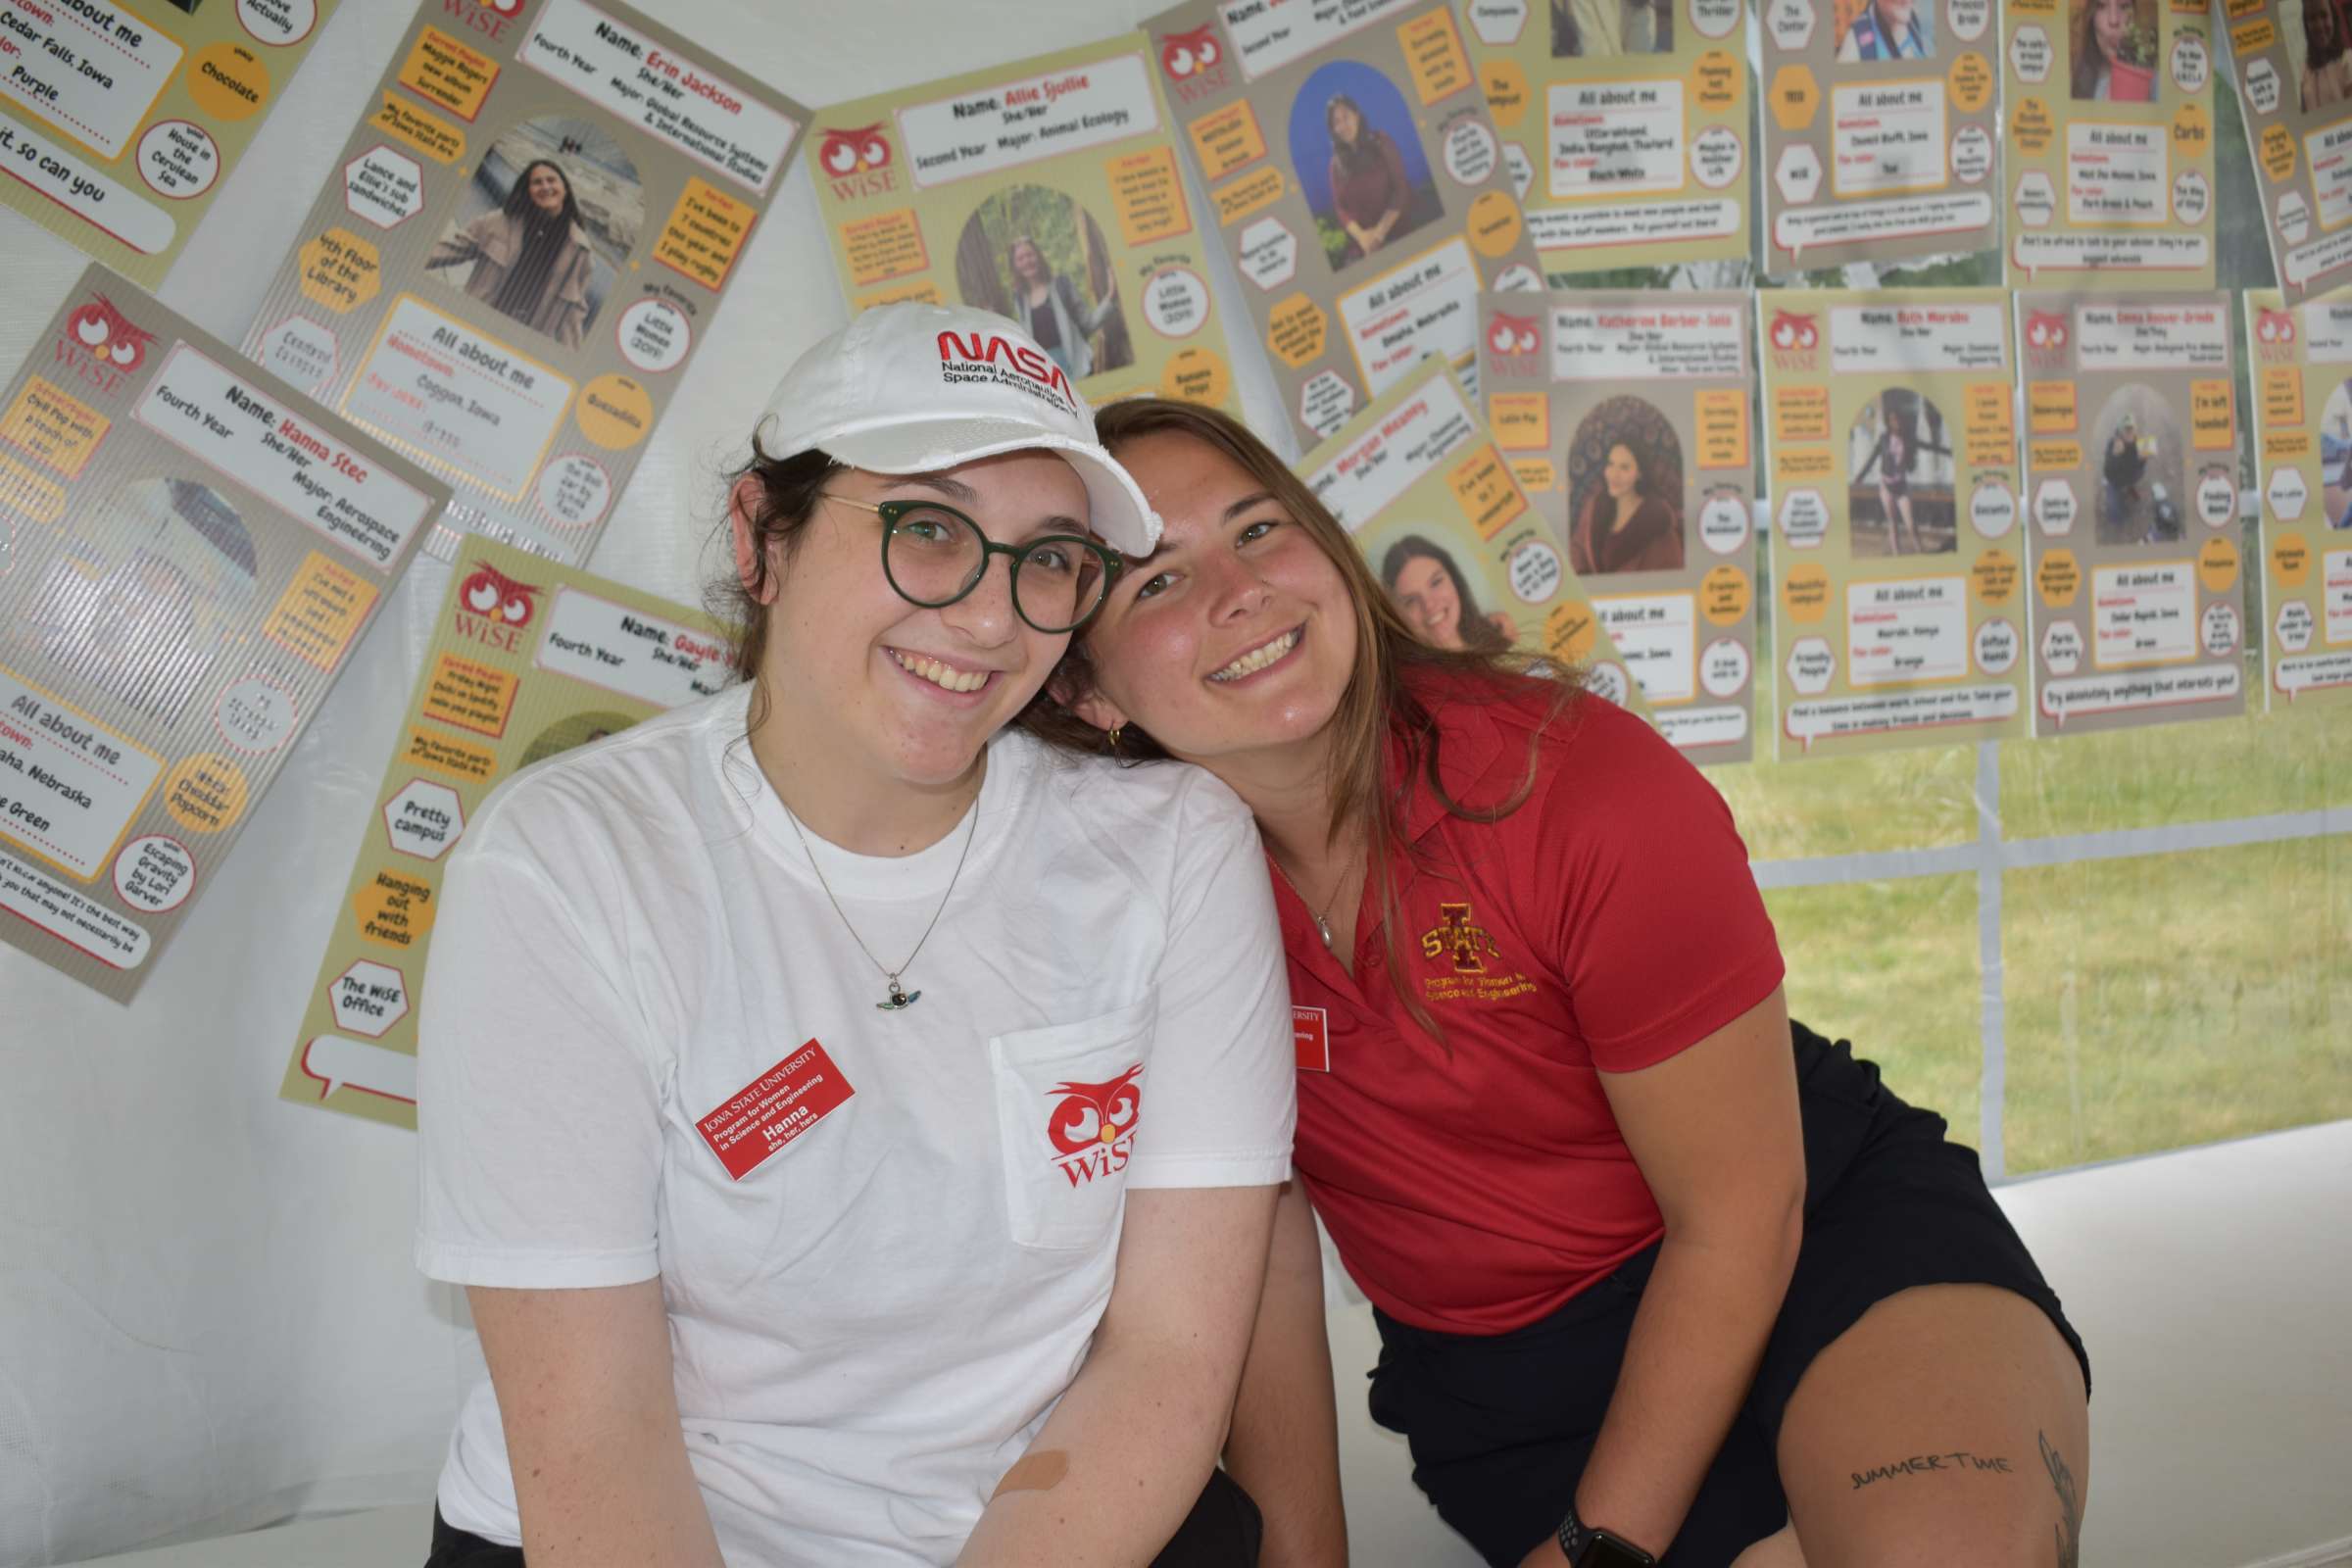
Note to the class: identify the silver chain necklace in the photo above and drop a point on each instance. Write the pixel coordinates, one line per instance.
(899, 997)
(1322, 920)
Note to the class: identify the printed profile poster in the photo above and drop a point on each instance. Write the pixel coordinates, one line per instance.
(1879, 138)
(2301, 360)
(1896, 549)
(1624, 420)
(120, 118)
(1467, 560)
(189, 550)
(2291, 66)
(527, 659)
(1357, 186)
(2132, 485)
(2110, 173)
(521, 246)
(1046, 191)
(1625, 125)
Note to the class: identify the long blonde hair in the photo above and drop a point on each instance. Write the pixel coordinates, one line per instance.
(1380, 706)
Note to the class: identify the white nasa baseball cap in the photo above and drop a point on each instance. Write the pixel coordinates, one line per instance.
(912, 388)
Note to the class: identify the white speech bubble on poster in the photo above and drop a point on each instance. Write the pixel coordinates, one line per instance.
(338, 1062)
(1898, 713)
(2320, 672)
(89, 928)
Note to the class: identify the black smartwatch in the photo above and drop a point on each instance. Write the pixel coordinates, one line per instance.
(1590, 1547)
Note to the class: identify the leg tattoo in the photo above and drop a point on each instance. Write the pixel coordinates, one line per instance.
(2070, 1507)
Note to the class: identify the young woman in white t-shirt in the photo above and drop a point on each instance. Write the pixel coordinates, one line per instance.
(857, 1126)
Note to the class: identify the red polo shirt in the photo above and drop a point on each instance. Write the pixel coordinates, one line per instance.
(1607, 923)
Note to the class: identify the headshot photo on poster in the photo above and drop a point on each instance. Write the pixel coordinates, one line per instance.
(1360, 161)
(1886, 29)
(552, 215)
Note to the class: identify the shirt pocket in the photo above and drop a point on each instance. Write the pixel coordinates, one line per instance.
(1069, 1098)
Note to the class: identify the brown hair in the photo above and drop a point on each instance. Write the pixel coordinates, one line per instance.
(1379, 703)
(790, 488)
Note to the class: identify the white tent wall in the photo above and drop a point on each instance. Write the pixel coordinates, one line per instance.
(207, 1317)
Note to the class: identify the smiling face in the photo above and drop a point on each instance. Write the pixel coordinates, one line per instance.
(1346, 124)
(1621, 472)
(1027, 265)
(1237, 636)
(1425, 592)
(892, 696)
(1896, 15)
(548, 189)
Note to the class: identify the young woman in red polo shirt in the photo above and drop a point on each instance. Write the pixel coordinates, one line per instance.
(1644, 1293)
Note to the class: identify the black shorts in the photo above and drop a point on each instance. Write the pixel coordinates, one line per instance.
(1501, 1426)
(1223, 1531)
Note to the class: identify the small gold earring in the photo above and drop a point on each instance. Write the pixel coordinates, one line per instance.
(1114, 735)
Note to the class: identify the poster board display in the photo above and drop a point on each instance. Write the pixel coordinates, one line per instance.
(2131, 479)
(1469, 563)
(189, 550)
(1896, 547)
(524, 240)
(1357, 186)
(2110, 160)
(1627, 126)
(1625, 418)
(120, 118)
(527, 660)
(2293, 78)
(1879, 135)
(1046, 191)
(2301, 359)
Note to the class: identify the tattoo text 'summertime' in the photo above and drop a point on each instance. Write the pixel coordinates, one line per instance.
(1954, 1461)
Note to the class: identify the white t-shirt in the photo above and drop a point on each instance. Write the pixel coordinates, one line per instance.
(871, 1322)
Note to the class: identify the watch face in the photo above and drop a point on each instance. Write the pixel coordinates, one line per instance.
(1607, 1551)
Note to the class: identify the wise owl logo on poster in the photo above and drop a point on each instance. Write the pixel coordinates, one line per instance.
(2276, 336)
(1793, 339)
(493, 609)
(1194, 62)
(488, 18)
(100, 345)
(1513, 341)
(2049, 335)
(857, 163)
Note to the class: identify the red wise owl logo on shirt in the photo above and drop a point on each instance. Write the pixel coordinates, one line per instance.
(1091, 1126)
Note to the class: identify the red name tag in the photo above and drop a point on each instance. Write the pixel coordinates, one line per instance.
(774, 1108)
(1310, 1032)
